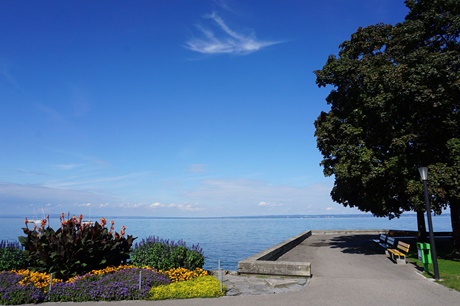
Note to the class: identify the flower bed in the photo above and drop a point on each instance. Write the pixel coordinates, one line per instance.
(78, 262)
(110, 284)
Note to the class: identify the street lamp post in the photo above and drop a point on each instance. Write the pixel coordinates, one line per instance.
(424, 176)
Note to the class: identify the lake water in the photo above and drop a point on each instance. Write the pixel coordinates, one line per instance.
(233, 239)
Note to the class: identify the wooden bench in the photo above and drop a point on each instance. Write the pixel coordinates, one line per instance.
(385, 241)
(398, 255)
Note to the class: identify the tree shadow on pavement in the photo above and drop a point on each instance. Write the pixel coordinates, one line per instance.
(357, 244)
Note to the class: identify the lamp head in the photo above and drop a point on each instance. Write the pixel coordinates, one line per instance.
(423, 173)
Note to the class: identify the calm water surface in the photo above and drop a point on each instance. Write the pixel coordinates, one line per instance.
(233, 239)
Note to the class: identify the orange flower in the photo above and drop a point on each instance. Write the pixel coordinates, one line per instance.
(103, 222)
(43, 223)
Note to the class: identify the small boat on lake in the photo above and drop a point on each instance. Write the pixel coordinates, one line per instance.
(34, 221)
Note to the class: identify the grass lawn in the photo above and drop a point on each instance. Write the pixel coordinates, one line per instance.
(449, 270)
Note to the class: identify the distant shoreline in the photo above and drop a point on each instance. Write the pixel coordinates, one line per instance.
(363, 215)
(300, 216)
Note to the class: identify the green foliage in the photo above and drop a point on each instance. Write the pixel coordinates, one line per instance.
(12, 256)
(165, 255)
(201, 287)
(394, 107)
(75, 248)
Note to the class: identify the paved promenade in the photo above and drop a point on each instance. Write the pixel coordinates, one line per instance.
(347, 270)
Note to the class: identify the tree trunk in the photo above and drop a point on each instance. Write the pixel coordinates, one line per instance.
(455, 219)
(421, 226)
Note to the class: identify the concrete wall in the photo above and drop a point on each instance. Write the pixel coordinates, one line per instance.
(265, 262)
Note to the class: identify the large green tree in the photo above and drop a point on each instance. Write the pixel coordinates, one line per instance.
(395, 107)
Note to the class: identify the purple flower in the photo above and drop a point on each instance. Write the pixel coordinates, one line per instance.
(13, 293)
(120, 285)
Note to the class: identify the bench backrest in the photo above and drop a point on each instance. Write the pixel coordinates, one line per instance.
(403, 247)
(390, 241)
(383, 238)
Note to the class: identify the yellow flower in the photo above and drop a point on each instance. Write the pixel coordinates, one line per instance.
(38, 279)
(182, 274)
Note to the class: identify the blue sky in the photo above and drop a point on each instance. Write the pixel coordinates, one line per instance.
(169, 108)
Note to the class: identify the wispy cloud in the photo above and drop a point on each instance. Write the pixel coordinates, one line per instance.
(223, 4)
(21, 195)
(66, 166)
(29, 172)
(92, 182)
(8, 77)
(52, 113)
(221, 39)
(197, 168)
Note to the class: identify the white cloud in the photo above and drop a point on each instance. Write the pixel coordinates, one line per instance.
(236, 197)
(156, 205)
(225, 40)
(266, 204)
(209, 197)
(181, 207)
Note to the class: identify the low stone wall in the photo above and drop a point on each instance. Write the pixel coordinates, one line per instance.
(265, 263)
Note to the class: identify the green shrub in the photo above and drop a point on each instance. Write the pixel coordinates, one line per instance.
(201, 287)
(166, 255)
(12, 256)
(75, 248)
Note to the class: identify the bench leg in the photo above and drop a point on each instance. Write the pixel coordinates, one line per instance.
(396, 259)
(401, 261)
